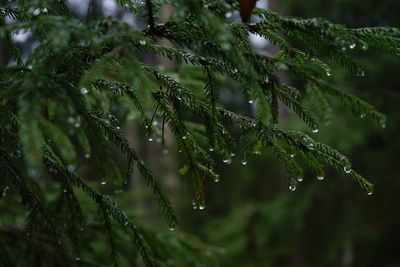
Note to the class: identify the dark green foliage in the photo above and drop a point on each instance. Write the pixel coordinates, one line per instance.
(56, 105)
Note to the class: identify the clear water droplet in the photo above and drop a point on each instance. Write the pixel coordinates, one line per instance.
(84, 90)
(216, 179)
(360, 73)
(227, 161)
(118, 128)
(352, 46)
(292, 155)
(315, 130)
(347, 169)
(364, 46)
(172, 226)
(299, 178)
(211, 149)
(328, 73)
(320, 177)
(292, 187)
(184, 137)
(194, 205)
(251, 101)
(142, 42)
(103, 182)
(370, 193)
(244, 162)
(150, 139)
(233, 154)
(362, 115)
(228, 15)
(202, 207)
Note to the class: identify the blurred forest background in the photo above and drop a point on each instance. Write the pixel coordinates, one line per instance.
(251, 218)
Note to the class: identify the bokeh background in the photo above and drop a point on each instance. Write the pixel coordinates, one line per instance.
(251, 218)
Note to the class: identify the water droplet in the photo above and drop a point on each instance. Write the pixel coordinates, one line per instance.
(299, 178)
(65, 190)
(103, 182)
(315, 130)
(142, 42)
(202, 207)
(233, 154)
(292, 155)
(87, 155)
(292, 187)
(118, 127)
(244, 162)
(172, 226)
(84, 90)
(184, 137)
(370, 193)
(320, 177)
(228, 15)
(77, 124)
(352, 46)
(36, 11)
(362, 115)
(216, 179)
(77, 259)
(235, 70)
(194, 205)
(360, 73)
(211, 149)
(347, 169)
(150, 139)
(227, 161)
(328, 73)
(364, 46)
(251, 101)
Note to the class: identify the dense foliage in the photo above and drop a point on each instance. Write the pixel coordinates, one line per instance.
(65, 102)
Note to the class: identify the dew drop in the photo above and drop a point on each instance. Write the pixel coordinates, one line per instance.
(118, 128)
(347, 169)
(370, 193)
(233, 154)
(292, 187)
(184, 137)
(244, 162)
(299, 179)
(352, 46)
(194, 205)
(172, 226)
(227, 161)
(202, 207)
(150, 139)
(142, 42)
(216, 179)
(292, 155)
(84, 90)
(315, 130)
(228, 15)
(362, 115)
(211, 149)
(251, 101)
(328, 73)
(360, 73)
(103, 182)
(320, 177)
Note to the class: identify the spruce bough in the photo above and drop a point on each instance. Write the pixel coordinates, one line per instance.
(57, 103)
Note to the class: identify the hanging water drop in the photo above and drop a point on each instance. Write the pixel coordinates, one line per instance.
(103, 182)
(184, 137)
(347, 169)
(292, 155)
(172, 226)
(360, 73)
(244, 162)
(352, 46)
(328, 73)
(320, 177)
(299, 178)
(292, 187)
(251, 101)
(233, 154)
(118, 128)
(202, 206)
(150, 139)
(227, 161)
(370, 193)
(211, 149)
(362, 115)
(84, 90)
(315, 130)
(216, 179)
(142, 42)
